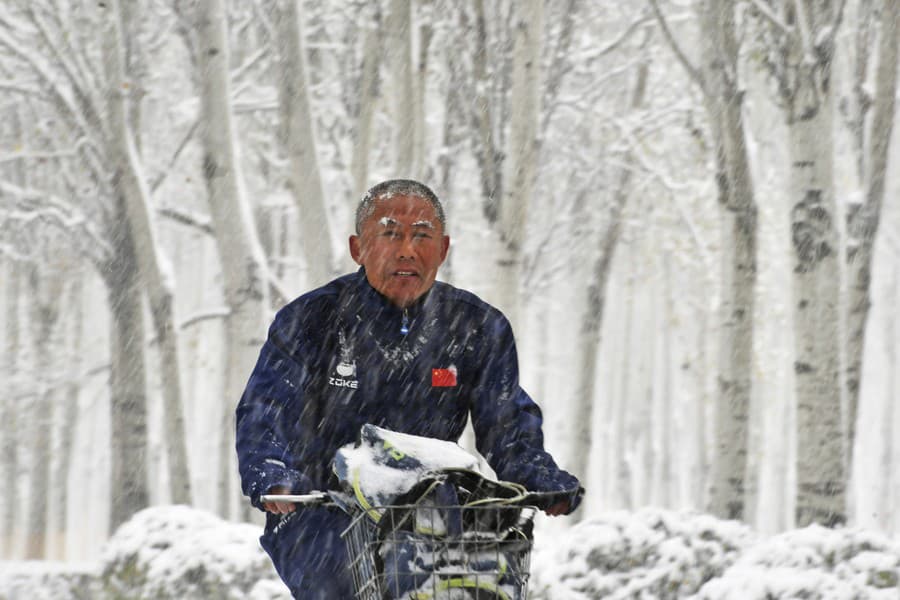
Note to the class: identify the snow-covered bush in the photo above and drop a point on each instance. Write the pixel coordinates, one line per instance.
(177, 552)
(47, 580)
(166, 553)
(813, 563)
(652, 553)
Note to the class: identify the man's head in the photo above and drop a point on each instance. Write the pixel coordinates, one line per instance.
(400, 239)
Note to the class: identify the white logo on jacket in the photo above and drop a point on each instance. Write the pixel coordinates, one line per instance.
(346, 378)
(345, 371)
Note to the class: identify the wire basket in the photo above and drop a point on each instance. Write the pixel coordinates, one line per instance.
(440, 553)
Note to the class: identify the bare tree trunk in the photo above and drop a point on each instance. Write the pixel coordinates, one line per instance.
(400, 61)
(718, 80)
(667, 477)
(420, 146)
(69, 403)
(644, 422)
(521, 166)
(10, 414)
(863, 221)
(243, 264)
(487, 149)
(128, 387)
(45, 310)
(154, 270)
(13, 417)
(738, 209)
(701, 367)
(592, 322)
(300, 141)
(891, 415)
(368, 92)
(821, 468)
(624, 470)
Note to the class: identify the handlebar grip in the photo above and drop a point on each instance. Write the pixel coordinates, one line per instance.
(311, 499)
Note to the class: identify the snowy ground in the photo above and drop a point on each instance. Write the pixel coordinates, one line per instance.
(180, 552)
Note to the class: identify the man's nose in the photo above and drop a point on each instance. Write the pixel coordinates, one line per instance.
(406, 247)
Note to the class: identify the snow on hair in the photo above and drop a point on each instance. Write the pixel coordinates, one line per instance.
(397, 187)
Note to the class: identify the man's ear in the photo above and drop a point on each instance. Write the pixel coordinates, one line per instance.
(355, 250)
(445, 247)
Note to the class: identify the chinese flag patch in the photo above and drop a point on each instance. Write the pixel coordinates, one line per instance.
(443, 377)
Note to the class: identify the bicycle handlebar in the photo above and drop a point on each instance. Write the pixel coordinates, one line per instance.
(310, 499)
(317, 498)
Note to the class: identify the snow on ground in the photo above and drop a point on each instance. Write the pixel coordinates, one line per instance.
(180, 552)
(659, 554)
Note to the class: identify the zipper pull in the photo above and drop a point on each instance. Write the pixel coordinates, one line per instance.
(404, 326)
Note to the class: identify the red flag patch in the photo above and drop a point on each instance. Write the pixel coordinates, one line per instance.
(443, 377)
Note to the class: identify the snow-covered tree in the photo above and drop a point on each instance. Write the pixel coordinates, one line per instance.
(873, 136)
(800, 41)
(717, 77)
(245, 276)
(154, 268)
(300, 140)
(521, 164)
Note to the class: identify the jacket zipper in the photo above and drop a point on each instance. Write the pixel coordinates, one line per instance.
(404, 325)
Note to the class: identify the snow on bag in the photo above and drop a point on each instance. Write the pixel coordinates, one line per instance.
(421, 530)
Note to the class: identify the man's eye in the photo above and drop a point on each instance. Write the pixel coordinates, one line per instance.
(422, 235)
(390, 234)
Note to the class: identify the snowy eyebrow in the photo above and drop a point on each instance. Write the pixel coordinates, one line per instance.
(387, 222)
(427, 224)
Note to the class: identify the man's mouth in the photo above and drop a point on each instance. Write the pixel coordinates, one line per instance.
(405, 274)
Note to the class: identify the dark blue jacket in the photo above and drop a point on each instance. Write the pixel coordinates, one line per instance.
(342, 356)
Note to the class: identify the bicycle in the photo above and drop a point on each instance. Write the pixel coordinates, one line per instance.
(427, 551)
(425, 524)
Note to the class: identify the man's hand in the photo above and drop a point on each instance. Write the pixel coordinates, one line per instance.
(279, 508)
(560, 508)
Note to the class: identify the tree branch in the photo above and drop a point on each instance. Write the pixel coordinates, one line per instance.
(41, 205)
(162, 176)
(201, 222)
(771, 16)
(692, 71)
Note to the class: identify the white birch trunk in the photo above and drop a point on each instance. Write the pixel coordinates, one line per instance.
(305, 176)
(243, 264)
(666, 414)
(893, 392)
(490, 170)
(889, 418)
(368, 92)
(521, 164)
(592, 322)
(821, 469)
(10, 415)
(128, 388)
(153, 267)
(702, 398)
(400, 61)
(738, 267)
(69, 404)
(624, 470)
(646, 421)
(46, 292)
(863, 222)
(420, 146)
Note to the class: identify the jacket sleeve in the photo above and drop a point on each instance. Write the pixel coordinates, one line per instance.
(266, 416)
(507, 422)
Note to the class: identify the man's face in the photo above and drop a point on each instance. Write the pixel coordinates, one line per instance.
(401, 245)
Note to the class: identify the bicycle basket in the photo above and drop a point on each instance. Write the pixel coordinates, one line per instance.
(414, 552)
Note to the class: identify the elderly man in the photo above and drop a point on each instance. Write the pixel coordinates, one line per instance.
(390, 346)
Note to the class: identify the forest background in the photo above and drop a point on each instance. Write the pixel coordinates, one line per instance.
(680, 205)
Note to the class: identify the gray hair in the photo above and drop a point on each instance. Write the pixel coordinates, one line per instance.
(397, 187)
